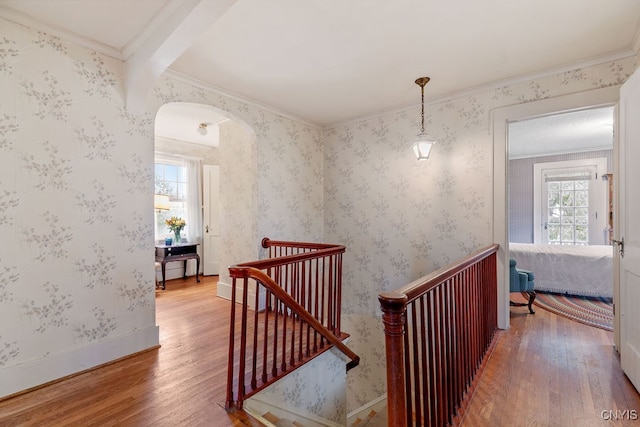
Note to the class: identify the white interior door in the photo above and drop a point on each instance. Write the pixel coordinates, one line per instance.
(211, 223)
(628, 233)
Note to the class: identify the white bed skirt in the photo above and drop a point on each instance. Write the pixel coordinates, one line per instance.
(577, 270)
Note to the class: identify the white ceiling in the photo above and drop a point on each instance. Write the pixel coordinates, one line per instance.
(181, 121)
(330, 61)
(111, 23)
(575, 131)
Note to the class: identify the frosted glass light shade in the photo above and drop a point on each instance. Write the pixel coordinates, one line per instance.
(422, 147)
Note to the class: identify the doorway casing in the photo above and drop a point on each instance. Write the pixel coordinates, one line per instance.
(500, 119)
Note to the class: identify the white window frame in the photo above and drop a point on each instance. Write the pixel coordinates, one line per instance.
(597, 196)
(162, 232)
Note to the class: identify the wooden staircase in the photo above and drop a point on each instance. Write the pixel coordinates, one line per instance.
(438, 330)
(373, 419)
(288, 313)
(280, 422)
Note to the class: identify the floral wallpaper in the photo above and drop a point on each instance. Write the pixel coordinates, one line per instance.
(318, 389)
(76, 185)
(400, 218)
(238, 200)
(66, 258)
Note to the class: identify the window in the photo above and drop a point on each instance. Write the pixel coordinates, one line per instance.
(170, 180)
(569, 202)
(567, 221)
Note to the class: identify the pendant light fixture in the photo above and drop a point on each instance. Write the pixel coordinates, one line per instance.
(423, 145)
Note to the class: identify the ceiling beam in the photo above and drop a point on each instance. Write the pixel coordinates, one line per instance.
(159, 49)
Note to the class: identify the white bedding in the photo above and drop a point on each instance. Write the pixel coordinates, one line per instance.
(578, 270)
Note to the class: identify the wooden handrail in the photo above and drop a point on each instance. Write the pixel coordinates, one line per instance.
(426, 283)
(295, 316)
(259, 276)
(268, 243)
(290, 259)
(437, 331)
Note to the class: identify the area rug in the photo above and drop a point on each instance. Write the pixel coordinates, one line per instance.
(592, 311)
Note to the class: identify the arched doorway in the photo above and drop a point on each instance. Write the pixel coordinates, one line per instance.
(215, 140)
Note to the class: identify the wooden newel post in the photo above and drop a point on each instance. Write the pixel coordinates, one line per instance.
(393, 317)
(236, 273)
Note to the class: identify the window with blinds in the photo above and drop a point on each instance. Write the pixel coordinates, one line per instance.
(567, 198)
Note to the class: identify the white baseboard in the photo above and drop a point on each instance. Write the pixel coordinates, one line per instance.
(257, 407)
(14, 379)
(173, 270)
(224, 291)
(375, 404)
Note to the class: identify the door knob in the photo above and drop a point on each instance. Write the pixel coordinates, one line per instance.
(620, 243)
(206, 228)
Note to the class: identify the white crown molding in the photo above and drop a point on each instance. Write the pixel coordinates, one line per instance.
(613, 56)
(166, 44)
(27, 21)
(160, 18)
(171, 5)
(207, 86)
(636, 42)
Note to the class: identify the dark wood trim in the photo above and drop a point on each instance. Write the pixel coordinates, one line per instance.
(437, 332)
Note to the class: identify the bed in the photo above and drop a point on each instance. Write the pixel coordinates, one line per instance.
(576, 270)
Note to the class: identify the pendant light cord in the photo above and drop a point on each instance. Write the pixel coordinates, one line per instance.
(422, 90)
(422, 81)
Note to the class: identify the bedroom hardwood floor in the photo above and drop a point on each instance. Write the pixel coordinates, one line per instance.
(545, 371)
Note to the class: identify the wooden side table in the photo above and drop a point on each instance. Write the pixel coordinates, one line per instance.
(178, 252)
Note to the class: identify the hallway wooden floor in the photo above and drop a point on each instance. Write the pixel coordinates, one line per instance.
(180, 384)
(545, 371)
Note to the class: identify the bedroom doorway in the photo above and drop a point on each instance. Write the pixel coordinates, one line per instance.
(502, 118)
(556, 165)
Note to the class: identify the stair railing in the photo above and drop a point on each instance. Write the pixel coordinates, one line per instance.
(437, 332)
(293, 314)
